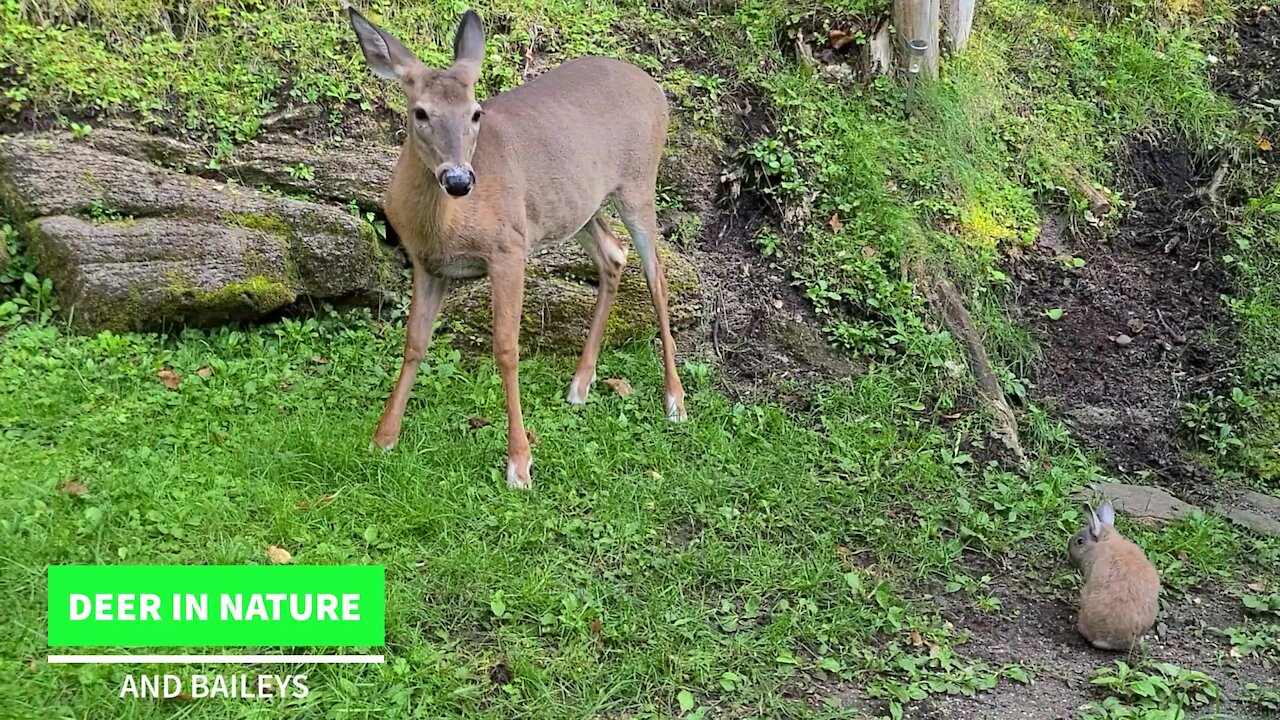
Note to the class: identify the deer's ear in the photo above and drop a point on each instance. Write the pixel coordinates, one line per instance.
(468, 42)
(387, 58)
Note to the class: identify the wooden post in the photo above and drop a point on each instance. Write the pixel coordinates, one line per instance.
(879, 60)
(918, 19)
(957, 22)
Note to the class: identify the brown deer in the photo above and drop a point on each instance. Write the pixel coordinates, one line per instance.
(480, 186)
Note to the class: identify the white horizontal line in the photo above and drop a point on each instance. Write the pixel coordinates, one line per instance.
(214, 659)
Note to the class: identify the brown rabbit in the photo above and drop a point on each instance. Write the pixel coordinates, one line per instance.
(1121, 593)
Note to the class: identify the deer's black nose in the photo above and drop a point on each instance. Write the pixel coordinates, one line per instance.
(457, 181)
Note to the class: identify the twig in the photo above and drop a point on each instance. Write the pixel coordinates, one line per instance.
(1219, 175)
(528, 53)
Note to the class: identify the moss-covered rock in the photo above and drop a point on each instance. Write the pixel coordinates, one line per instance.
(559, 296)
(194, 251)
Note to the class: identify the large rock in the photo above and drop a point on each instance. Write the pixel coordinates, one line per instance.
(141, 231)
(130, 245)
(559, 295)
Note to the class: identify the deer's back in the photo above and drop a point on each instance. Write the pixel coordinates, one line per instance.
(570, 137)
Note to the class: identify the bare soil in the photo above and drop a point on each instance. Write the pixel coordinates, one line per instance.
(1143, 329)
(1035, 627)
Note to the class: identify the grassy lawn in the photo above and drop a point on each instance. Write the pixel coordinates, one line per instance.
(767, 559)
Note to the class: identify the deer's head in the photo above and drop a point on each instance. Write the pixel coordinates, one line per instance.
(444, 117)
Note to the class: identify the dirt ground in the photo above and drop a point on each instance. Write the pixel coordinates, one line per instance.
(1143, 330)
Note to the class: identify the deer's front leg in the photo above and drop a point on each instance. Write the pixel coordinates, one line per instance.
(428, 296)
(506, 272)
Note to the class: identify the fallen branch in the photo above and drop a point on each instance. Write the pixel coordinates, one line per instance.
(1219, 176)
(1099, 204)
(949, 306)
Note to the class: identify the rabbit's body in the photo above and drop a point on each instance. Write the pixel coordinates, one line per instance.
(1121, 594)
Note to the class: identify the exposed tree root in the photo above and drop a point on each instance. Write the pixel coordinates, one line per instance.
(949, 306)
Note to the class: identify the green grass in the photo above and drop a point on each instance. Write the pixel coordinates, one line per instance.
(741, 555)
(735, 565)
(664, 534)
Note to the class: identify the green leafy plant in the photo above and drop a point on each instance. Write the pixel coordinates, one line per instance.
(1151, 690)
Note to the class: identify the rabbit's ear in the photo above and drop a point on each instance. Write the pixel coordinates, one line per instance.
(1106, 514)
(1095, 523)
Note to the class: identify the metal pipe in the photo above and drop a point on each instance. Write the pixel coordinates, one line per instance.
(915, 54)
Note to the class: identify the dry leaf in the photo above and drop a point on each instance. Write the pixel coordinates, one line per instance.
(478, 422)
(620, 386)
(532, 437)
(834, 222)
(205, 372)
(278, 555)
(322, 360)
(1264, 144)
(1257, 586)
(839, 38)
(595, 627)
(74, 487)
(915, 638)
(868, 251)
(169, 378)
(317, 503)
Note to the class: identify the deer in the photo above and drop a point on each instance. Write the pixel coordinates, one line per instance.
(479, 187)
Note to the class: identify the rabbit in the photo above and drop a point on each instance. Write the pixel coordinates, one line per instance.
(1121, 593)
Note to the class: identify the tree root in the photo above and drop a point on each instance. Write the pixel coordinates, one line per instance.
(949, 306)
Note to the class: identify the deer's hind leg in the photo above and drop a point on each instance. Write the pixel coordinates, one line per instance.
(610, 257)
(636, 206)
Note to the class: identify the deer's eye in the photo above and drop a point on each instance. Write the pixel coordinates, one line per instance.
(1079, 541)
(419, 114)
(475, 116)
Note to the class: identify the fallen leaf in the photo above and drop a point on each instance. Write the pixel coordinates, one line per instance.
(843, 550)
(620, 386)
(777, 304)
(205, 372)
(533, 437)
(169, 378)
(595, 627)
(839, 38)
(916, 638)
(279, 555)
(74, 487)
(1257, 586)
(318, 502)
(868, 251)
(1264, 144)
(322, 360)
(479, 421)
(834, 222)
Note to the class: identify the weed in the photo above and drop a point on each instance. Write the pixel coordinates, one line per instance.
(1151, 690)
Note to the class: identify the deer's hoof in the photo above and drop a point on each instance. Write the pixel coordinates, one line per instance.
(578, 390)
(519, 473)
(384, 445)
(675, 409)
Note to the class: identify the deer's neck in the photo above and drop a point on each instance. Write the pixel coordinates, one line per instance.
(419, 208)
